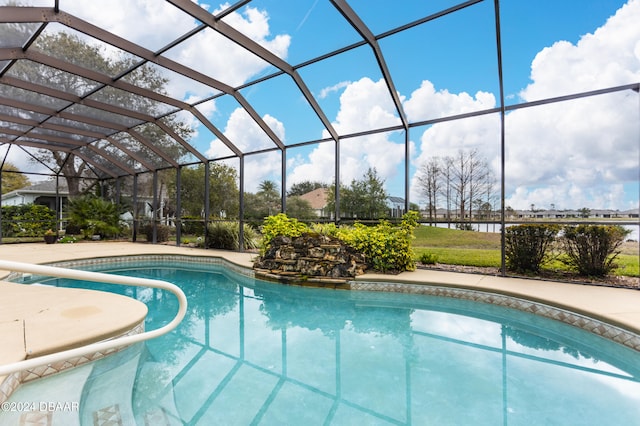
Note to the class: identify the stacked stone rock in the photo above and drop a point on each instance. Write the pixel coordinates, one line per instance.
(311, 255)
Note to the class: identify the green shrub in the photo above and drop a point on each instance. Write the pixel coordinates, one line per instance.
(386, 248)
(27, 220)
(67, 239)
(464, 227)
(72, 229)
(222, 235)
(280, 225)
(95, 216)
(592, 249)
(162, 232)
(192, 225)
(527, 246)
(226, 236)
(251, 237)
(329, 229)
(428, 259)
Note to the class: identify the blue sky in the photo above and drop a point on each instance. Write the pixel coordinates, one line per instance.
(571, 155)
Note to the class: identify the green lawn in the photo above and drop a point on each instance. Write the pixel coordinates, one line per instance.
(454, 247)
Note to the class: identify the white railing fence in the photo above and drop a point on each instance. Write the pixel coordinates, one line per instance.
(102, 346)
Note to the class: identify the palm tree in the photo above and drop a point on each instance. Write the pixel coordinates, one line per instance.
(268, 192)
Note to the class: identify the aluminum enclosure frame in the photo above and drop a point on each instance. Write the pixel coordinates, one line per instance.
(86, 137)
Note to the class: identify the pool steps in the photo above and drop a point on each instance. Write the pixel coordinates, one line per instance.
(19, 367)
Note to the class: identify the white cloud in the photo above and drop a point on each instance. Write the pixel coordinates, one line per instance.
(24, 161)
(227, 62)
(122, 17)
(446, 139)
(568, 196)
(609, 56)
(255, 25)
(572, 154)
(335, 88)
(245, 133)
(258, 168)
(427, 103)
(583, 150)
(316, 167)
(364, 105)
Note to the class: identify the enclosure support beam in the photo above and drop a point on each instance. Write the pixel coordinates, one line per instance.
(283, 180)
(135, 208)
(502, 139)
(178, 216)
(207, 188)
(241, 207)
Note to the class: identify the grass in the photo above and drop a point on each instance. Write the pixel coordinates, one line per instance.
(469, 257)
(472, 248)
(14, 240)
(628, 265)
(431, 236)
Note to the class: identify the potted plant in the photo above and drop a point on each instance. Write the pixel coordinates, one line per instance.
(50, 236)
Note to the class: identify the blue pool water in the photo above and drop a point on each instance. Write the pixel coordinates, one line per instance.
(252, 352)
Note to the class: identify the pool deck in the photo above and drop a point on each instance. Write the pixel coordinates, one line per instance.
(38, 319)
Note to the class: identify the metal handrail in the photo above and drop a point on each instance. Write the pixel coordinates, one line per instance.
(99, 346)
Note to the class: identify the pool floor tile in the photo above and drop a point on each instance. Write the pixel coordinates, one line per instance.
(108, 416)
(36, 418)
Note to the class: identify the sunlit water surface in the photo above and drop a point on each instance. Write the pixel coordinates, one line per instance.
(251, 352)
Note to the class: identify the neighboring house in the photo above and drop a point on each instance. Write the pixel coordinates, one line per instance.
(539, 214)
(547, 214)
(396, 206)
(41, 193)
(317, 199)
(44, 193)
(573, 214)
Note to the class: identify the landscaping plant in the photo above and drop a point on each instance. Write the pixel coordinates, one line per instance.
(428, 259)
(95, 216)
(163, 232)
(226, 236)
(386, 247)
(280, 225)
(592, 249)
(527, 246)
(28, 220)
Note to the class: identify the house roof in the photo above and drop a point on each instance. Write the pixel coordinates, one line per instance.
(316, 198)
(47, 187)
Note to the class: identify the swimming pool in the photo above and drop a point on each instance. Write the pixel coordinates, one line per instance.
(252, 352)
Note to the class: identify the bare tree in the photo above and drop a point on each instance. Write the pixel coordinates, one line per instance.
(461, 176)
(463, 181)
(446, 172)
(479, 179)
(429, 184)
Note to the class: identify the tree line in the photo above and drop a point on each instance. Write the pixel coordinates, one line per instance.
(363, 198)
(460, 184)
